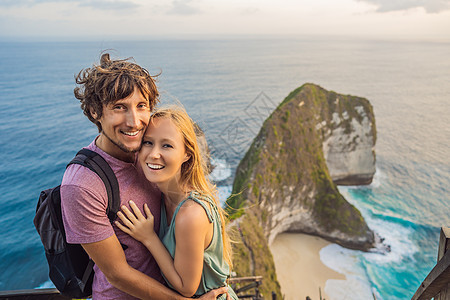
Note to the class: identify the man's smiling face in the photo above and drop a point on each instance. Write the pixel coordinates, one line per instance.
(123, 125)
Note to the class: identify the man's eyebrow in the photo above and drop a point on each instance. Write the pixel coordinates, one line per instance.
(122, 101)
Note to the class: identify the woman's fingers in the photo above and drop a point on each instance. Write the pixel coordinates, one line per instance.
(123, 228)
(124, 219)
(129, 214)
(134, 221)
(136, 211)
(147, 211)
(213, 294)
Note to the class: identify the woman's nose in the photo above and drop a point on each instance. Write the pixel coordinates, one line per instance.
(155, 153)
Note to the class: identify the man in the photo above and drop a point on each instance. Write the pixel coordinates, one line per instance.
(118, 97)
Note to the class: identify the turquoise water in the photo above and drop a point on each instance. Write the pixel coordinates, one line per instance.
(395, 275)
(218, 81)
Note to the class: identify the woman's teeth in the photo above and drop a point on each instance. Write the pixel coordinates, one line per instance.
(155, 167)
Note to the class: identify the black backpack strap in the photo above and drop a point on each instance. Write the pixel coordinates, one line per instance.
(87, 273)
(96, 163)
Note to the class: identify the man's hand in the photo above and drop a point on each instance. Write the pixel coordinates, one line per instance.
(213, 294)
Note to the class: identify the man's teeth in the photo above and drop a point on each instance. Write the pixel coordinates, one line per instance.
(155, 167)
(131, 133)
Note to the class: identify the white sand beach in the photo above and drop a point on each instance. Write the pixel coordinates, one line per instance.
(299, 268)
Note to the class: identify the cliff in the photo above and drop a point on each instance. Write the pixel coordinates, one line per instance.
(285, 181)
(348, 140)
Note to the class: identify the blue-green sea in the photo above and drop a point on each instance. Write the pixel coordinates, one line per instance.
(222, 83)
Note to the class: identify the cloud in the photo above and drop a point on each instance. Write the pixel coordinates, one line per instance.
(250, 11)
(430, 6)
(109, 4)
(96, 4)
(182, 7)
(10, 3)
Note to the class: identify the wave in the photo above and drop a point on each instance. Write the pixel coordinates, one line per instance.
(395, 274)
(221, 171)
(347, 262)
(365, 270)
(47, 285)
(378, 178)
(224, 193)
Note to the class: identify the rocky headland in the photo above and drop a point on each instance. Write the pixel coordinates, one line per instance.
(287, 180)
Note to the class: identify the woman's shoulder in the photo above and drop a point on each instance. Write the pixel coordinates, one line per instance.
(192, 210)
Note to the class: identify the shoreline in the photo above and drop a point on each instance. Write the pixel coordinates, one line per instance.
(300, 271)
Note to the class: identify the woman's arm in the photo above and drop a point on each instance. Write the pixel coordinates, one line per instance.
(191, 230)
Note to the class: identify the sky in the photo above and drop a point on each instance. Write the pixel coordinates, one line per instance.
(89, 19)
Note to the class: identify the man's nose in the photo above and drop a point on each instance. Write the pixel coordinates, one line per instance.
(132, 118)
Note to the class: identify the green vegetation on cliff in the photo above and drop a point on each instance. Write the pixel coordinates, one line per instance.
(251, 256)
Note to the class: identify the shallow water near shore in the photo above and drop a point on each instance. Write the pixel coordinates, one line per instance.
(220, 82)
(300, 271)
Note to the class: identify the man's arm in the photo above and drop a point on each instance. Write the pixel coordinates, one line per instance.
(110, 258)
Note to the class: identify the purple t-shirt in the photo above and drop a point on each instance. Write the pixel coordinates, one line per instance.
(84, 201)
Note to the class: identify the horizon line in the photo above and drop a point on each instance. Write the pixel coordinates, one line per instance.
(218, 37)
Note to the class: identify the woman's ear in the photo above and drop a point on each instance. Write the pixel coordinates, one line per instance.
(186, 157)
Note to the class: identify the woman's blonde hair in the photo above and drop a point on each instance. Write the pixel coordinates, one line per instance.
(194, 170)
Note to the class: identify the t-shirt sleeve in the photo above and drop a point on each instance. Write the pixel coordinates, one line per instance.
(84, 211)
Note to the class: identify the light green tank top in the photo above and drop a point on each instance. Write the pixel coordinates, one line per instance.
(215, 268)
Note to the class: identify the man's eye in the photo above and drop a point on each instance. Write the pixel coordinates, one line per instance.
(143, 105)
(118, 107)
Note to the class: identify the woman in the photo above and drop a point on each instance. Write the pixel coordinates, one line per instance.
(194, 252)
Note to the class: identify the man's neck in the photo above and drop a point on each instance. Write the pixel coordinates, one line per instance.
(103, 143)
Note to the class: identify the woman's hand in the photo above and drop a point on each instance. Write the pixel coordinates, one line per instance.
(135, 224)
(213, 294)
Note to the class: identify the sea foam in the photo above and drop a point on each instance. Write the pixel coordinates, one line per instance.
(356, 284)
(221, 171)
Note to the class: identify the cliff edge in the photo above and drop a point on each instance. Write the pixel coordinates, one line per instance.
(286, 181)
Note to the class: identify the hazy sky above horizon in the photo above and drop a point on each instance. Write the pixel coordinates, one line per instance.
(178, 18)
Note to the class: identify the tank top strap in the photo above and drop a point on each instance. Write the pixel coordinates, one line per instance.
(179, 206)
(196, 197)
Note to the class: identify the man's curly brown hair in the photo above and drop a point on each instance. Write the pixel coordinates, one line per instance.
(110, 81)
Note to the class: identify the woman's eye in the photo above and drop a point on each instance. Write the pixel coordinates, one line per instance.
(147, 143)
(167, 146)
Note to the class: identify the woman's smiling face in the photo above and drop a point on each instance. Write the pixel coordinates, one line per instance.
(163, 152)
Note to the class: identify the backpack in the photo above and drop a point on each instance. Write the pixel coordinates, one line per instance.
(70, 268)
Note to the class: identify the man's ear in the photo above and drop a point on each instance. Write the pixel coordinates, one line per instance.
(93, 113)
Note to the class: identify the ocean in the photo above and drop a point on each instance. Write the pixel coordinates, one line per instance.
(221, 82)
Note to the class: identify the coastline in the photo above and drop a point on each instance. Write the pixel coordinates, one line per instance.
(299, 268)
